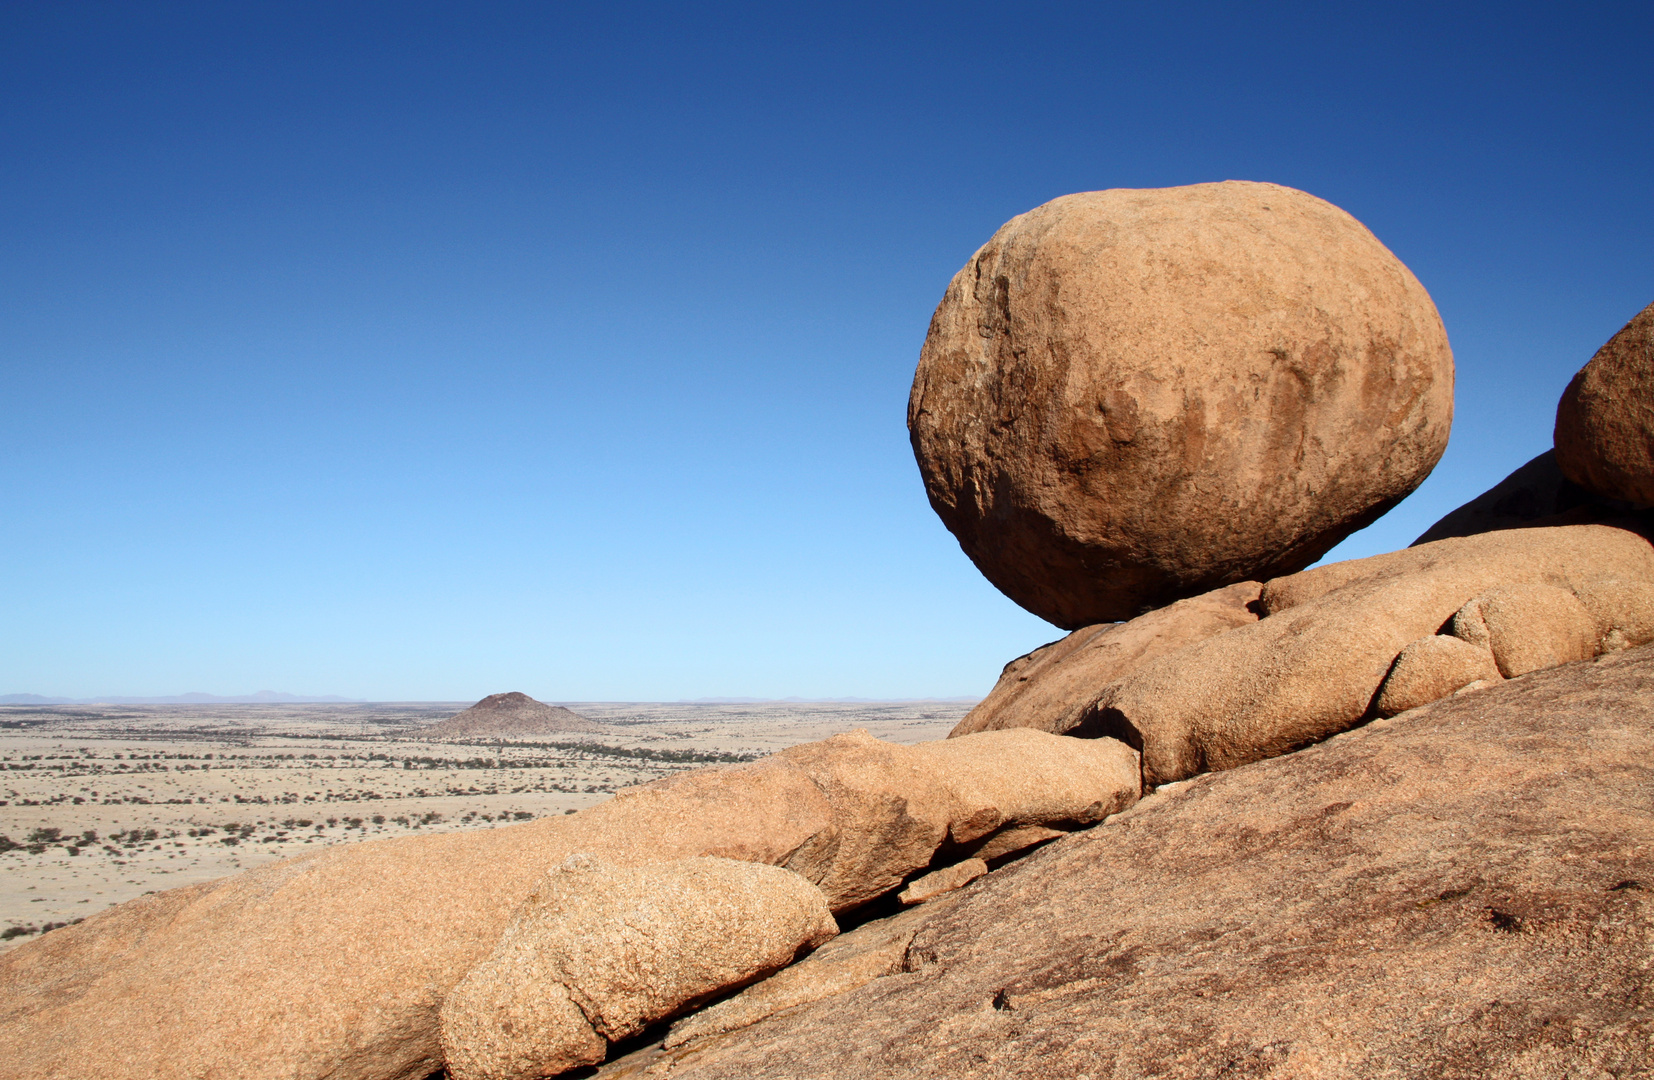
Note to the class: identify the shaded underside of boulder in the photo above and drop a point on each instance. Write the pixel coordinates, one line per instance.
(1049, 688)
(1463, 891)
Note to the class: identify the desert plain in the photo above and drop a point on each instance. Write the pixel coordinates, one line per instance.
(103, 803)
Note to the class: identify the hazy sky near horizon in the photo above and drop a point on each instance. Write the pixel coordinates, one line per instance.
(427, 350)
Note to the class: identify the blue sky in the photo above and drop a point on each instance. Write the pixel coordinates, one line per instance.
(422, 351)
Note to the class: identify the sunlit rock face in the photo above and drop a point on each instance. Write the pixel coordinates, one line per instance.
(1129, 397)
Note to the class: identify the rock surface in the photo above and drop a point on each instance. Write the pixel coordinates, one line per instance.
(334, 965)
(1528, 627)
(1129, 397)
(854, 959)
(508, 716)
(1431, 668)
(1049, 688)
(1623, 611)
(945, 880)
(1605, 420)
(1313, 666)
(626, 947)
(1463, 891)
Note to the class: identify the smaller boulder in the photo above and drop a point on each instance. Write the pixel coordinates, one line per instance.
(1018, 779)
(941, 881)
(1431, 668)
(1622, 610)
(1013, 839)
(1528, 627)
(1605, 420)
(626, 947)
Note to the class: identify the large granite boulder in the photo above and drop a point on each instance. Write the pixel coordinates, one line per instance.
(1605, 420)
(1463, 891)
(334, 965)
(1131, 397)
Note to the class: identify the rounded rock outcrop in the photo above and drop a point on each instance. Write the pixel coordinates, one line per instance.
(1605, 420)
(1128, 397)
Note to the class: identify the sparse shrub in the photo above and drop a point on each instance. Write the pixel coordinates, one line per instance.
(16, 932)
(379, 819)
(522, 815)
(8, 844)
(45, 836)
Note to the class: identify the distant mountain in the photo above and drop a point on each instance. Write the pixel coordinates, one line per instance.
(263, 697)
(508, 716)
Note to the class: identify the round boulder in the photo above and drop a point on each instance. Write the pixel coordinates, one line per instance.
(1605, 420)
(1128, 397)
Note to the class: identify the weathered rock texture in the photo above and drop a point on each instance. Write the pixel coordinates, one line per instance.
(1432, 668)
(1528, 627)
(941, 881)
(626, 947)
(1463, 891)
(868, 952)
(1534, 493)
(1605, 420)
(1049, 688)
(1623, 611)
(1313, 665)
(1131, 397)
(508, 716)
(334, 964)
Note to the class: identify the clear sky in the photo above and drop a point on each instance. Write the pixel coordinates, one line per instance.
(422, 351)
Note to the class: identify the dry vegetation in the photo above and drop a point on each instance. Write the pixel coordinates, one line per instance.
(99, 804)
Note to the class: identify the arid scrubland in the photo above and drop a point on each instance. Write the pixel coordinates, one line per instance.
(103, 803)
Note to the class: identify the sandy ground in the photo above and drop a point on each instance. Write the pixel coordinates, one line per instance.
(99, 804)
